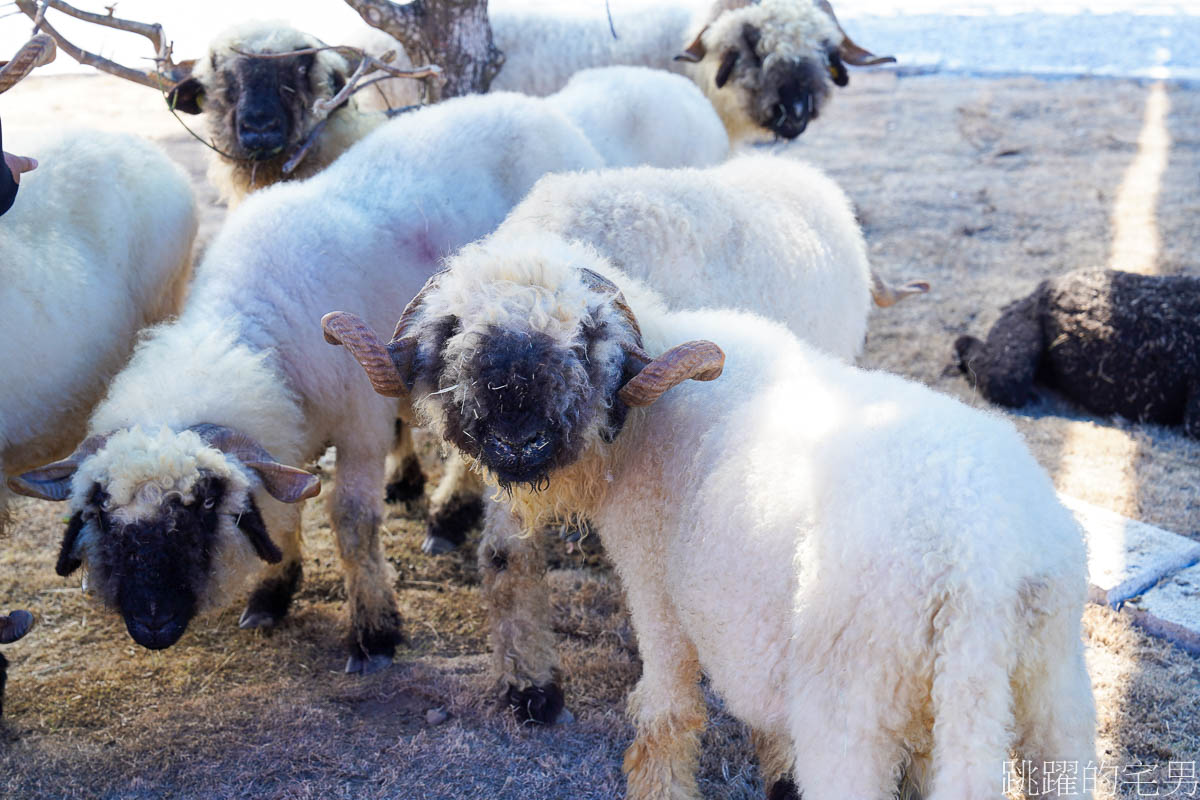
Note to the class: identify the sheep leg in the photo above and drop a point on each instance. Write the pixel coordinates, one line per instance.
(3, 681)
(1055, 713)
(407, 481)
(667, 707)
(1004, 367)
(454, 508)
(775, 764)
(271, 599)
(518, 601)
(357, 511)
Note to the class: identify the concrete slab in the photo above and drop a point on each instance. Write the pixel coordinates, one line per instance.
(1127, 557)
(1172, 609)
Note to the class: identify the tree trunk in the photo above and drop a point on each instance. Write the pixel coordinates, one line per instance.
(453, 34)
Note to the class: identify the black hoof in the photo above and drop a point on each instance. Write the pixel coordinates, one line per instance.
(409, 486)
(269, 603)
(783, 789)
(357, 665)
(437, 546)
(14, 626)
(373, 650)
(537, 705)
(451, 522)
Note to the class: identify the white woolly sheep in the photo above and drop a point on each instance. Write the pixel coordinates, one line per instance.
(259, 112)
(106, 223)
(214, 406)
(766, 66)
(870, 569)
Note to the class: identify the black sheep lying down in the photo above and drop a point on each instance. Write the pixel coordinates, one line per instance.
(1114, 342)
(12, 627)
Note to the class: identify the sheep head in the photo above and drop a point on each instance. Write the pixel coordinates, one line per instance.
(166, 523)
(524, 357)
(260, 109)
(768, 65)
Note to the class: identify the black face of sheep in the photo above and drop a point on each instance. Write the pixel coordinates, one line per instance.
(261, 104)
(531, 402)
(155, 570)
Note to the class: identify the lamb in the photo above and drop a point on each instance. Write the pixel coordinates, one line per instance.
(190, 454)
(106, 223)
(915, 594)
(767, 66)
(1114, 342)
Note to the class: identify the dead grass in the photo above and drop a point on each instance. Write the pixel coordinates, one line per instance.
(984, 187)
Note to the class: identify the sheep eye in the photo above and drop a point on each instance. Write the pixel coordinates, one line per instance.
(209, 503)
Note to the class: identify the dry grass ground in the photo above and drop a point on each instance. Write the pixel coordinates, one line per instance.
(984, 187)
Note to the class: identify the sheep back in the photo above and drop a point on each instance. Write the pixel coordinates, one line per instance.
(97, 246)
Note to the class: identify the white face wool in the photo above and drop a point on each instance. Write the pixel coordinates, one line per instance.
(268, 37)
(790, 29)
(140, 470)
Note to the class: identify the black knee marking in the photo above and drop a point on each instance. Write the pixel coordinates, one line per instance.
(410, 485)
(378, 639)
(537, 705)
(783, 789)
(273, 597)
(451, 522)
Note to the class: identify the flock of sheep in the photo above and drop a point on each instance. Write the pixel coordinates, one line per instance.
(607, 311)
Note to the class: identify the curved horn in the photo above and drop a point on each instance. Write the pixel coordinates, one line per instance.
(344, 328)
(414, 305)
(695, 51)
(37, 52)
(850, 52)
(53, 481)
(286, 484)
(885, 295)
(699, 360)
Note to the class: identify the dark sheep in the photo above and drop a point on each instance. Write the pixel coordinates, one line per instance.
(1114, 342)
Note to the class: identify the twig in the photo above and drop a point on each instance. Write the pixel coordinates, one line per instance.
(293, 162)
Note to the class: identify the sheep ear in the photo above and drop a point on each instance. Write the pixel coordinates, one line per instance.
(250, 522)
(695, 51)
(186, 96)
(699, 361)
(68, 561)
(727, 63)
(286, 484)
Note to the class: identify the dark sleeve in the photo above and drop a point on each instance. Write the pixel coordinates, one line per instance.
(8, 184)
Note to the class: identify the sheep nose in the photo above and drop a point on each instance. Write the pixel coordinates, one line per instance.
(156, 630)
(261, 133)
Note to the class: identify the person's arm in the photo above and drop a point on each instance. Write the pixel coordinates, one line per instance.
(10, 176)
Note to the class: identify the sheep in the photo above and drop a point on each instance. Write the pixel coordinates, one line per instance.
(769, 234)
(766, 66)
(106, 223)
(190, 453)
(915, 593)
(12, 628)
(259, 112)
(1114, 342)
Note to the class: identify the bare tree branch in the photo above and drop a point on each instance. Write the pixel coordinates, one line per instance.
(155, 80)
(452, 33)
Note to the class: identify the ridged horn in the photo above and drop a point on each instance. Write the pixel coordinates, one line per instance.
(53, 481)
(350, 331)
(699, 360)
(885, 295)
(286, 484)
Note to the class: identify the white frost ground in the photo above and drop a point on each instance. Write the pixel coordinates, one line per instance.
(1121, 38)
